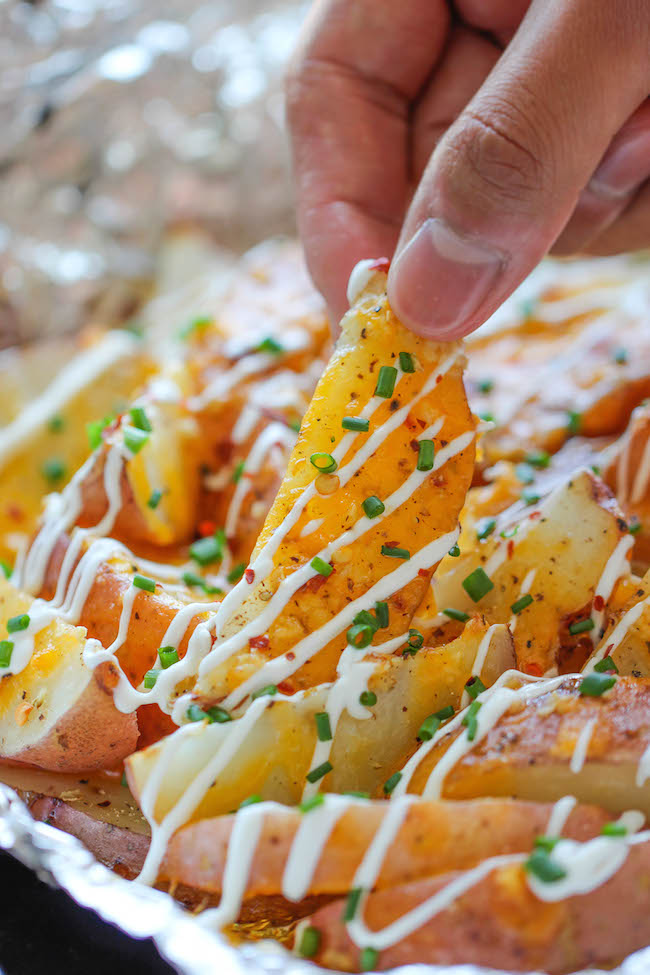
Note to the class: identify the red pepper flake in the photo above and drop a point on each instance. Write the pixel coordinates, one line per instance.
(285, 687)
(510, 548)
(258, 642)
(599, 603)
(422, 423)
(423, 573)
(415, 445)
(249, 576)
(15, 512)
(314, 584)
(290, 655)
(534, 515)
(438, 379)
(207, 528)
(381, 264)
(533, 669)
(393, 544)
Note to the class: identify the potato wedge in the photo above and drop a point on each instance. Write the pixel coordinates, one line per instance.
(278, 750)
(388, 554)
(556, 553)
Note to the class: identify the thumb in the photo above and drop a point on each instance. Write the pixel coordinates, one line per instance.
(504, 180)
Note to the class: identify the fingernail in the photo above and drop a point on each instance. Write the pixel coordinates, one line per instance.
(441, 278)
(619, 174)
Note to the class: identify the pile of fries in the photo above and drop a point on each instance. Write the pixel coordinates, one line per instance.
(345, 644)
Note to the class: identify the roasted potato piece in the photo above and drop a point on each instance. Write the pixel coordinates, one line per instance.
(278, 750)
(323, 515)
(551, 745)
(555, 553)
(627, 638)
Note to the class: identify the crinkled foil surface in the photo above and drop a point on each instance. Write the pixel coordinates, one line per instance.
(121, 119)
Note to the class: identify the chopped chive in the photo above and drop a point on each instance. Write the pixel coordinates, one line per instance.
(426, 453)
(367, 619)
(140, 419)
(634, 527)
(135, 439)
(525, 473)
(195, 327)
(154, 499)
(454, 551)
(295, 425)
(251, 800)
(323, 727)
(123, 781)
(486, 417)
(527, 308)
(6, 650)
(192, 579)
(218, 715)
(143, 582)
(53, 470)
(6, 569)
(595, 469)
(395, 553)
(444, 713)
(356, 794)
(17, 623)
(574, 422)
(236, 572)
(428, 728)
(474, 686)
(614, 829)
(271, 345)
(324, 463)
(520, 604)
(406, 362)
(319, 772)
(368, 699)
(95, 428)
(386, 381)
(540, 864)
(355, 423)
(323, 568)
(56, 423)
(368, 959)
(456, 614)
(269, 691)
(195, 713)
(381, 611)
(538, 458)
(150, 679)
(485, 386)
(620, 356)
(360, 635)
(605, 666)
(209, 549)
(595, 684)
(547, 843)
(485, 527)
(530, 495)
(470, 720)
(237, 473)
(509, 532)
(477, 584)
(308, 804)
(416, 640)
(309, 942)
(352, 903)
(391, 783)
(373, 506)
(581, 626)
(168, 656)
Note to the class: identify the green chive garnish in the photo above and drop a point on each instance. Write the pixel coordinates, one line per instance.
(236, 572)
(323, 568)
(309, 942)
(373, 506)
(477, 584)
(530, 495)
(428, 728)
(56, 424)
(547, 843)
(95, 429)
(17, 623)
(606, 665)
(426, 452)
(168, 656)
(195, 327)
(614, 829)
(470, 720)
(355, 423)
(391, 783)
(456, 614)
(53, 470)
(581, 626)
(525, 473)
(209, 549)
(595, 684)
(324, 463)
(251, 800)
(360, 635)
(135, 439)
(634, 527)
(538, 458)
(395, 553)
(444, 713)
(237, 473)
(357, 794)
(520, 604)
(386, 381)
(323, 727)
(150, 679)
(454, 551)
(368, 699)
(509, 532)
(368, 960)
(6, 650)
(217, 715)
(140, 419)
(6, 569)
(381, 611)
(270, 345)
(620, 356)
(311, 803)
(195, 713)
(319, 772)
(574, 422)
(416, 640)
(485, 386)
(540, 864)
(406, 363)
(154, 499)
(191, 579)
(143, 582)
(352, 903)
(474, 687)
(269, 691)
(485, 527)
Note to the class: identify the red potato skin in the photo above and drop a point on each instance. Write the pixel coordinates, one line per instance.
(500, 923)
(73, 744)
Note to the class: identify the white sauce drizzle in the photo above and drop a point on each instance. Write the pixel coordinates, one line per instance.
(582, 746)
(616, 567)
(360, 277)
(479, 659)
(617, 635)
(274, 434)
(309, 842)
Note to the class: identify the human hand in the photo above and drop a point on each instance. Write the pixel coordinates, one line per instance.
(468, 145)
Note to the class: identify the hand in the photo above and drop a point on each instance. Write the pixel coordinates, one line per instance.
(468, 145)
